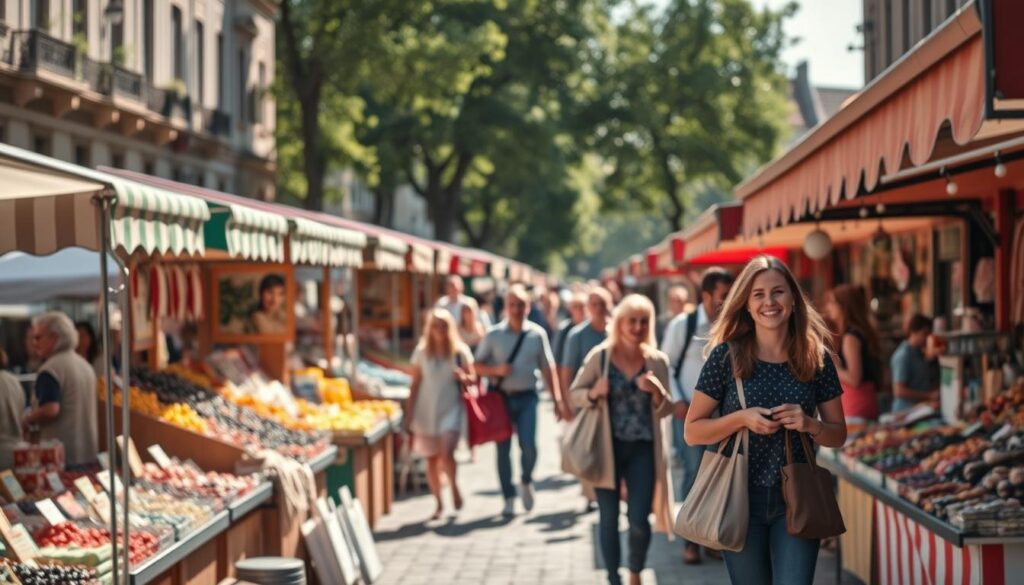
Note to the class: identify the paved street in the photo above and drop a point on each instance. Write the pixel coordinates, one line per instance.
(554, 544)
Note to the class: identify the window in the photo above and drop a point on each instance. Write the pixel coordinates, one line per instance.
(117, 160)
(79, 20)
(177, 43)
(117, 52)
(908, 30)
(82, 155)
(42, 15)
(149, 168)
(41, 144)
(259, 105)
(147, 20)
(243, 85)
(887, 18)
(220, 71)
(926, 16)
(200, 62)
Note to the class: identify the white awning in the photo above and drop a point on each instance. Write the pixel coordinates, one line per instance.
(319, 244)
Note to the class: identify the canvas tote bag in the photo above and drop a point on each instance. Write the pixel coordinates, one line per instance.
(587, 442)
(716, 512)
(811, 507)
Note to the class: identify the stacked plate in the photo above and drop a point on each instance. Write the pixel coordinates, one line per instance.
(271, 571)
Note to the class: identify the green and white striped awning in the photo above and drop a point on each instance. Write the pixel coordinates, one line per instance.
(48, 204)
(421, 258)
(246, 232)
(386, 253)
(312, 242)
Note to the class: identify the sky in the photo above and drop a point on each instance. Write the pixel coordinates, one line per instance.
(826, 28)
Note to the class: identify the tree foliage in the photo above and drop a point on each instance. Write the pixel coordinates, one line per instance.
(520, 121)
(692, 96)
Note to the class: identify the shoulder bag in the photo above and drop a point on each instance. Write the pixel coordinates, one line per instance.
(486, 411)
(716, 512)
(583, 445)
(811, 507)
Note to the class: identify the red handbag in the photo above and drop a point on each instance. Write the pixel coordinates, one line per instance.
(487, 416)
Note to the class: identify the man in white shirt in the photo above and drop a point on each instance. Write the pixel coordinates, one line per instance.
(685, 338)
(454, 300)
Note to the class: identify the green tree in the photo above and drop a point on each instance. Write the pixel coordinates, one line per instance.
(693, 97)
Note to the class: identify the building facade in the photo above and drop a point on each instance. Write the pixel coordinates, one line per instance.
(173, 88)
(892, 27)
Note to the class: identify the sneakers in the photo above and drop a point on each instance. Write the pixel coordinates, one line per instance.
(510, 508)
(526, 493)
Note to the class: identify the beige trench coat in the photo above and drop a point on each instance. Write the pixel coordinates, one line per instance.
(587, 377)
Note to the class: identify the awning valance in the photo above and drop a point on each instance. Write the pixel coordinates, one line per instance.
(386, 253)
(311, 242)
(246, 232)
(47, 205)
(896, 121)
(718, 223)
(420, 258)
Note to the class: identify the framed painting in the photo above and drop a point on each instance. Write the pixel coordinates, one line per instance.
(252, 303)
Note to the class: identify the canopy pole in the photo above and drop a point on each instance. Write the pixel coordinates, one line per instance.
(126, 334)
(104, 201)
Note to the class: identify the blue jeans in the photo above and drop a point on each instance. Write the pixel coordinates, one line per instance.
(634, 464)
(689, 456)
(771, 556)
(522, 412)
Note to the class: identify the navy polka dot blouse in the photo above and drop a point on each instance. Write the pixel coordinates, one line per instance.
(771, 385)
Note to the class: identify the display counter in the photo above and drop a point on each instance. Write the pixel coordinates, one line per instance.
(183, 561)
(367, 468)
(889, 540)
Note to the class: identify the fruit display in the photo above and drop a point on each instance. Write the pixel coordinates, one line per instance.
(47, 575)
(190, 480)
(70, 543)
(970, 474)
(185, 404)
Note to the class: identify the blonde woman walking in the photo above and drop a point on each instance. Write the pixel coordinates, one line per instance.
(440, 363)
(634, 397)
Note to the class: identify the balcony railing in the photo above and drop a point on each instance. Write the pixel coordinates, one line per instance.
(35, 50)
(168, 102)
(216, 122)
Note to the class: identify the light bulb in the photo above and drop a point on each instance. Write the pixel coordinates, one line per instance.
(1000, 170)
(880, 208)
(952, 188)
(863, 212)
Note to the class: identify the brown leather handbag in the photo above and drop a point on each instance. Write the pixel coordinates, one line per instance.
(811, 507)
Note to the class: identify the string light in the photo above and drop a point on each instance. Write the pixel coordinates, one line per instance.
(951, 187)
(1000, 168)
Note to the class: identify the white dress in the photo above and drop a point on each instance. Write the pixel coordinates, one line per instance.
(437, 417)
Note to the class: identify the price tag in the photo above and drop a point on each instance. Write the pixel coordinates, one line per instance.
(104, 459)
(49, 511)
(104, 480)
(101, 505)
(21, 541)
(56, 485)
(85, 487)
(971, 429)
(158, 454)
(1005, 431)
(134, 461)
(12, 489)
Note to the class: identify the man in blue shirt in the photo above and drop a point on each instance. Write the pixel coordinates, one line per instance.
(912, 381)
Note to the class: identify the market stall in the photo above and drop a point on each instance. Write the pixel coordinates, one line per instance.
(913, 190)
(47, 206)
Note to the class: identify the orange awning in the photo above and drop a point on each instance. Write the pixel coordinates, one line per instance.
(929, 103)
(719, 223)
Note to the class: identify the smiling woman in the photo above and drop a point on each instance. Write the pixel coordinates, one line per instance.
(768, 335)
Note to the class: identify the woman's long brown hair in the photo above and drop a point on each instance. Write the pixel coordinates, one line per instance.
(853, 302)
(806, 343)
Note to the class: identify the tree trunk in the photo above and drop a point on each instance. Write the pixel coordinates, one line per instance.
(313, 159)
(384, 206)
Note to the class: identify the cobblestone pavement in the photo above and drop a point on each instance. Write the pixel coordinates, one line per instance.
(556, 543)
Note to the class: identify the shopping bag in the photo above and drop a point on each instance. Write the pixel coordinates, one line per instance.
(582, 445)
(487, 416)
(716, 512)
